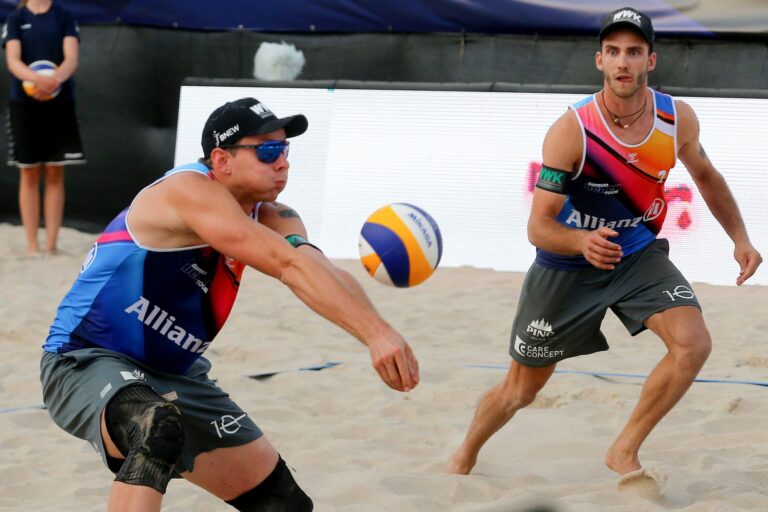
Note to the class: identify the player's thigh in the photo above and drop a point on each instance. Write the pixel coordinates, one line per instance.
(229, 472)
(682, 329)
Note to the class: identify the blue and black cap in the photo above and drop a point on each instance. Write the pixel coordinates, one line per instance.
(241, 118)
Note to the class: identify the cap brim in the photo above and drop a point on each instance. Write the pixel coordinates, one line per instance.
(293, 126)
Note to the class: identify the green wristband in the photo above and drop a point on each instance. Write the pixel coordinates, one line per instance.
(298, 240)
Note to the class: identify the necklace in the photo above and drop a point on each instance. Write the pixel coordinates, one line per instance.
(617, 118)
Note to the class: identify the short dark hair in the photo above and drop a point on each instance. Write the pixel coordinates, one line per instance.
(206, 161)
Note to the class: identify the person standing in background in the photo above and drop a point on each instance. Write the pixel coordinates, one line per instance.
(43, 132)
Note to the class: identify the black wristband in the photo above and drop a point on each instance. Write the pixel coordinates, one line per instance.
(298, 240)
(553, 180)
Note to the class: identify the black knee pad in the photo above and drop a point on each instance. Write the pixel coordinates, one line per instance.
(279, 492)
(148, 430)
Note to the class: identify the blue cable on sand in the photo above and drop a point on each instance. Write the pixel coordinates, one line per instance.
(312, 368)
(22, 408)
(626, 375)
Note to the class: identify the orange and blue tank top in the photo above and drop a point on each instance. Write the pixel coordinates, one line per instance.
(618, 185)
(162, 307)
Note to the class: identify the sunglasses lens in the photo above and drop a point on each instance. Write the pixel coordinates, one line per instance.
(269, 152)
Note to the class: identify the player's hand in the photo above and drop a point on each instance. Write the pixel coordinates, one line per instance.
(394, 361)
(599, 251)
(748, 258)
(46, 85)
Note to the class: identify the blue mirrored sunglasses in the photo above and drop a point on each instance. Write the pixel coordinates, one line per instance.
(267, 152)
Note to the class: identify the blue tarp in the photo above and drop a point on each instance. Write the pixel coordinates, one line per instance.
(691, 17)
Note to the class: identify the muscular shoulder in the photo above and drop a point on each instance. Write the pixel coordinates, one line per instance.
(185, 208)
(563, 144)
(159, 202)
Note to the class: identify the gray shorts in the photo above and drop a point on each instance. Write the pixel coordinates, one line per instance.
(560, 311)
(78, 385)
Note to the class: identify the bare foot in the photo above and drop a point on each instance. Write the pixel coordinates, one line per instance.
(647, 483)
(459, 466)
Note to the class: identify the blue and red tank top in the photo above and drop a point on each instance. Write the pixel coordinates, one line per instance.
(618, 185)
(162, 307)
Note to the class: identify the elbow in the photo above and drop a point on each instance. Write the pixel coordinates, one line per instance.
(533, 234)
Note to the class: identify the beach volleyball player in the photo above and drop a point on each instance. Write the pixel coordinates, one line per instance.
(123, 365)
(597, 209)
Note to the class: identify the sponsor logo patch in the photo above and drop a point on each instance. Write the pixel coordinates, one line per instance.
(535, 352)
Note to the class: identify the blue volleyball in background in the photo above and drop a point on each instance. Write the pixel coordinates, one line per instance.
(400, 245)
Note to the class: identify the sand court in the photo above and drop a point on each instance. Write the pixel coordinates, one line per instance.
(355, 445)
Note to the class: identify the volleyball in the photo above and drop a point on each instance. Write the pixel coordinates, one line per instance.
(44, 67)
(400, 245)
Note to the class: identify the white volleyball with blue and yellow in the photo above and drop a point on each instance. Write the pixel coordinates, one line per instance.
(44, 67)
(400, 245)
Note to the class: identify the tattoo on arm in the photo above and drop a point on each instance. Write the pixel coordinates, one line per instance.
(703, 153)
(288, 213)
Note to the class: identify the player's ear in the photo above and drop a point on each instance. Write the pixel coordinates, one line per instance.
(220, 160)
(599, 60)
(652, 61)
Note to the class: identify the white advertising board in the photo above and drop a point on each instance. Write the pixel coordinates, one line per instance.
(468, 159)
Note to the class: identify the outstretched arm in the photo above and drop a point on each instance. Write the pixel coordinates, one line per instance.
(391, 355)
(715, 191)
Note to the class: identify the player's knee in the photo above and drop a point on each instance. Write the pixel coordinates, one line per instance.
(692, 348)
(523, 398)
(279, 492)
(148, 430)
(515, 396)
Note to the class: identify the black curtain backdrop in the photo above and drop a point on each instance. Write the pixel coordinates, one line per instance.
(129, 80)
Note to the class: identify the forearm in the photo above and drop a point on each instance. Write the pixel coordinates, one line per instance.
(550, 235)
(352, 286)
(722, 204)
(66, 69)
(336, 296)
(21, 70)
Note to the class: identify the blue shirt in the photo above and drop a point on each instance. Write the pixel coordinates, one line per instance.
(162, 307)
(42, 38)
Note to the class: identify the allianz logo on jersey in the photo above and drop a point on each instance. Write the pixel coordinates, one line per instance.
(586, 221)
(161, 321)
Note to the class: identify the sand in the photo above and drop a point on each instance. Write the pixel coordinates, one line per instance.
(356, 445)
